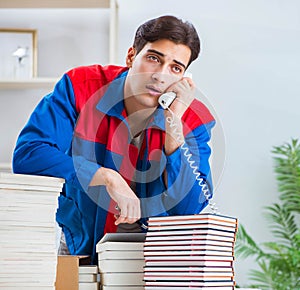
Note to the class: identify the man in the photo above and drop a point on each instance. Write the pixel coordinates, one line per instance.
(122, 156)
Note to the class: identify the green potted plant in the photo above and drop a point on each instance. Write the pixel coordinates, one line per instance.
(279, 260)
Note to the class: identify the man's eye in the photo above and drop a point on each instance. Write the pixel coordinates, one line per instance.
(153, 58)
(177, 69)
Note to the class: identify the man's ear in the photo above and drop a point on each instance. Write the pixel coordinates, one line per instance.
(130, 56)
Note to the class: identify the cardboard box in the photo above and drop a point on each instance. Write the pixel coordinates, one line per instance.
(67, 274)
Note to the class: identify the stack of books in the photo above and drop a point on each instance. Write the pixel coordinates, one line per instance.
(88, 277)
(192, 251)
(28, 254)
(121, 261)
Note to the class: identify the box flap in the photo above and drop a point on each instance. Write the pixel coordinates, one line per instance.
(67, 276)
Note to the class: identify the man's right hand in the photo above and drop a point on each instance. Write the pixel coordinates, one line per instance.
(128, 203)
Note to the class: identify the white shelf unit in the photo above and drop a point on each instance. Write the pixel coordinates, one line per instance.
(113, 33)
(34, 83)
(5, 167)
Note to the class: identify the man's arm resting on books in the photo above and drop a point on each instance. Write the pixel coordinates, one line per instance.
(120, 192)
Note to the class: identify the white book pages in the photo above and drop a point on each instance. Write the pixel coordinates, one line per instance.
(21, 192)
(21, 229)
(7, 285)
(185, 277)
(32, 187)
(120, 279)
(188, 263)
(16, 218)
(191, 269)
(31, 198)
(33, 224)
(45, 211)
(8, 240)
(88, 269)
(17, 278)
(190, 236)
(190, 258)
(121, 241)
(188, 288)
(190, 283)
(30, 212)
(190, 275)
(36, 255)
(186, 253)
(13, 269)
(119, 266)
(28, 260)
(190, 247)
(12, 178)
(87, 278)
(190, 232)
(121, 255)
(119, 246)
(31, 288)
(23, 266)
(88, 286)
(27, 248)
(203, 226)
(190, 241)
(196, 218)
(104, 287)
(32, 241)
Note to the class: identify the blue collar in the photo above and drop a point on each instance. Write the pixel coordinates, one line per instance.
(112, 103)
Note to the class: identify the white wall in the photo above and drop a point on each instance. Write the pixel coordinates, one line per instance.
(248, 71)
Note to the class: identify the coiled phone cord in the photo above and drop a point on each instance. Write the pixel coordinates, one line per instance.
(204, 187)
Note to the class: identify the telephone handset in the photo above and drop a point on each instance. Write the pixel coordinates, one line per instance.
(166, 99)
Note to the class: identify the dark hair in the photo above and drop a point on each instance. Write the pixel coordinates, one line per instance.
(171, 28)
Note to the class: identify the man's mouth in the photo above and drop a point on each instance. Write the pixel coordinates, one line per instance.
(153, 91)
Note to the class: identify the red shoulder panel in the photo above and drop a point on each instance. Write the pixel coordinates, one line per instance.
(197, 114)
(86, 80)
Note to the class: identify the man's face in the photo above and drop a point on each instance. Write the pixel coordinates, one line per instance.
(158, 65)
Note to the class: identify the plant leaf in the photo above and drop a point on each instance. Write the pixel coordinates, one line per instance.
(282, 223)
(245, 246)
(287, 169)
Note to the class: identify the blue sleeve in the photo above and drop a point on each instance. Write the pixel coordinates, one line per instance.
(188, 174)
(44, 145)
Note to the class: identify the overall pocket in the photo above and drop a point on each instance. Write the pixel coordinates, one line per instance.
(69, 218)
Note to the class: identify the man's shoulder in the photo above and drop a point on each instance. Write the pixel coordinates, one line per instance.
(88, 80)
(198, 114)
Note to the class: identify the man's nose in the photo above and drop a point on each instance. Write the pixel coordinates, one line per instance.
(161, 75)
(158, 77)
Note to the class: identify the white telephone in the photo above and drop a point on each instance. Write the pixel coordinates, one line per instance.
(166, 99)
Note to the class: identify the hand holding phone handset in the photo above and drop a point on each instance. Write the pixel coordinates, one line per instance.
(165, 100)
